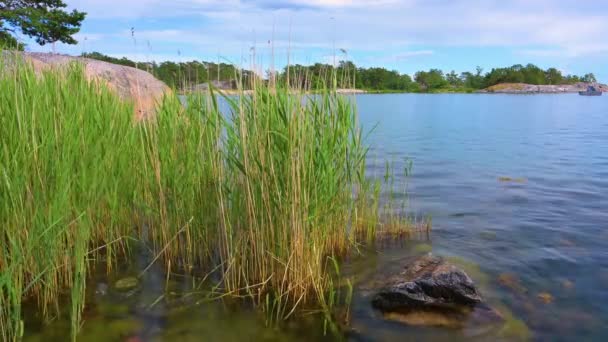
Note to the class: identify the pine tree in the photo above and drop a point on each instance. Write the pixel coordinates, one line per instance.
(46, 21)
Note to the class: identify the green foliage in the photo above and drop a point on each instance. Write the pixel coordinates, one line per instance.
(530, 74)
(9, 42)
(44, 20)
(453, 79)
(589, 78)
(554, 76)
(382, 79)
(473, 80)
(431, 80)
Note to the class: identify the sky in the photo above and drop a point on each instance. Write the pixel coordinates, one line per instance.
(404, 35)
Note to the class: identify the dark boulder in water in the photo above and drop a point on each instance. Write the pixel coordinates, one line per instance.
(432, 292)
(429, 282)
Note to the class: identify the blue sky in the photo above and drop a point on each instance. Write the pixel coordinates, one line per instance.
(406, 35)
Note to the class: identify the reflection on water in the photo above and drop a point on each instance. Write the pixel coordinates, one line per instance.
(517, 187)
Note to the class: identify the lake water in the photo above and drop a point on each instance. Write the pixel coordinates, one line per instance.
(517, 187)
(547, 229)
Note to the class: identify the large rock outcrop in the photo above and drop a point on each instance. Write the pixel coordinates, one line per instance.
(130, 84)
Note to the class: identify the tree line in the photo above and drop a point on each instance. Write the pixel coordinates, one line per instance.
(185, 75)
(434, 80)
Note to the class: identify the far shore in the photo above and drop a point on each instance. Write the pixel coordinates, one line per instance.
(501, 88)
(341, 91)
(523, 88)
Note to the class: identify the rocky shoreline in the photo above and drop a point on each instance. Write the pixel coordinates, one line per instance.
(523, 88)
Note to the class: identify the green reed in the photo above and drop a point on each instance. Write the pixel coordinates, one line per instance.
(66, 184)
(268, 190)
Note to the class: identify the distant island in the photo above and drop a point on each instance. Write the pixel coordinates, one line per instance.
(196, 75)
(522, 88)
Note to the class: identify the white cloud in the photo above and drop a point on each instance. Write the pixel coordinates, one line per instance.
(342, 3)
(410, 54)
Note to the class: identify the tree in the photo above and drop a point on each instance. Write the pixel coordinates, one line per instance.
(589, 78)
(431, 80)
(554, 76)
(453, 79)
(533, 74)
(44, 20)
(6, 40)
(473, 80)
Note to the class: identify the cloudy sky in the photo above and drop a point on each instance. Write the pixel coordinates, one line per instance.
(406, 35)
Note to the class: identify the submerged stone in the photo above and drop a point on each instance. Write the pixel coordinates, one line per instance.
(424, 318)
(567, 284)
(422, 248)
(101, 289)
(475, 320)
(126, 284)
(428, 282)
(488, 235)
(511, 282)
(545, 297)
(512, 180)
(515, 329)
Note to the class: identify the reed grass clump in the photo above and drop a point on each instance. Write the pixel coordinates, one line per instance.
(266, 188)
(66, 184)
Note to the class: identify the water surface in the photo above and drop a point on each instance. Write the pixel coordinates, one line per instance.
(547, 226)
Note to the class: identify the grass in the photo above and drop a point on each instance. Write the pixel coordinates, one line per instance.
(267, 189)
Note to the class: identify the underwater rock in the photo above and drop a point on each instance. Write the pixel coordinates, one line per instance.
(545, 297)
(505, 179)
(511, 282)
(567, 284)
(425, 318)
(428, 282)
(126, 284)
(101, 289)
(476, 320)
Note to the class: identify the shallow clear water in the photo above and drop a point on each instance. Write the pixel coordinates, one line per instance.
(547, 228)
(517, 187)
